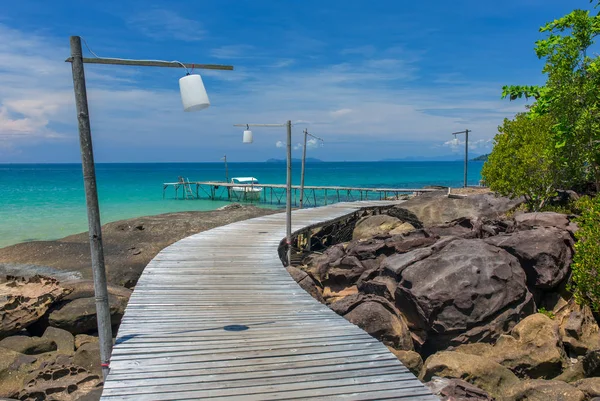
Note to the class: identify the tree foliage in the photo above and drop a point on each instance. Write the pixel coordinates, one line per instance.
(571, 94)
(586, 261)
(523, 161)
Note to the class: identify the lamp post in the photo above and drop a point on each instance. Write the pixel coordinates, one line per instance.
(248, 138)
(306, 134)
(193, 96)
(466, 132)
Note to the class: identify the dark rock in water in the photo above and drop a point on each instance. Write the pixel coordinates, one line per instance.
(466, 291)
(545, 254)
(24, 301)
(79, 315)
(456, 390)
(541, 219)
(437, 210)
(28, 345)
(59, 379)
(306, 282)
(544, 390)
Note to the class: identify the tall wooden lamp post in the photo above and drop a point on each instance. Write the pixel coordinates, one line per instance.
(194, 98)
(306, 134)
(466, 132)
(247, 138)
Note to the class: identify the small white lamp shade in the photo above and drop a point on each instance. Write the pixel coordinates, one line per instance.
(193, 94)
(247, 136)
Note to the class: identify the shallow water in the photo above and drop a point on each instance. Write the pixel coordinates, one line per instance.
(46, 201)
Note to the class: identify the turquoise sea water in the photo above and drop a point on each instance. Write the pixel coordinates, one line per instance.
(46, 201)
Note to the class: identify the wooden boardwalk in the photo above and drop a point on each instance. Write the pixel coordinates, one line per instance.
(216, 315)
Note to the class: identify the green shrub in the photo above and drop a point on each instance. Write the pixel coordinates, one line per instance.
(585, 281)
(546, 312)
(524, 161)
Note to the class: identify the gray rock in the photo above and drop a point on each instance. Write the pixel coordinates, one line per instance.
(543, 390)
(371, 226)
(545, 254)
(456, 390)
(79, 315)
(64, 340)
(467, 291)
(28, 345)
(439, 210)
(541, 219)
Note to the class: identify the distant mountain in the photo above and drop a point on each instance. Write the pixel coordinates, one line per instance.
(445, 158)
(482, 158)
(308, 160)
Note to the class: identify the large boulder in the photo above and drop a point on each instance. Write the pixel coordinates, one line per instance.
(28, 345)
(382, 323)
(467, 291)
(440, 209)
(456, 390)
(88, 357)
(58, 379)
(14, 368)
(590, 386)
(533, 349)
(488, 375)
(545, 254)
(306, 282)
(378, 317)
(578, 328)
(541, 219)
(371, 226)
(591, 363)
(64, 340)
(85, 289)
(79, 315)
(24, 301)
(81, 339)
(543, 390)
(410, 359)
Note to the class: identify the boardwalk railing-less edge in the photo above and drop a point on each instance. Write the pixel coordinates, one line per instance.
(216, 315)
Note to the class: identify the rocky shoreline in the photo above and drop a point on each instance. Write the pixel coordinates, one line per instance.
(467, 294)
(48, 332)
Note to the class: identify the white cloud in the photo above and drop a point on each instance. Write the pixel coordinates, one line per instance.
(279, 144)
(342, 103)
(166, 24)
(233, 52)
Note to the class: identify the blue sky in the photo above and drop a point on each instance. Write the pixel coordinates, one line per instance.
(375, 79)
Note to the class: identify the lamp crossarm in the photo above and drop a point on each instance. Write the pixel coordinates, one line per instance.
(151, 63)
(259, 125)
(461, 132)
(316, 137)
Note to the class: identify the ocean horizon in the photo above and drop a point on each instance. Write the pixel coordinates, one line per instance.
(47, 201)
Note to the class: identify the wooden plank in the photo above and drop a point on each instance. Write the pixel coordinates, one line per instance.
(179, 337)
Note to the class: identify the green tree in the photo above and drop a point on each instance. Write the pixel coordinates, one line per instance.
(571, 94)
(585, 280)
(523, 160)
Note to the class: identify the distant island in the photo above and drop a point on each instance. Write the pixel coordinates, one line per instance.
(482, 158)
(444, 158)
(308, 160)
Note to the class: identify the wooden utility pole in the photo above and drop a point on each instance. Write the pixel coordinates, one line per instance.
(306, 134)
(93, 210)
(288, 187)
(466, 132)
(89, 180)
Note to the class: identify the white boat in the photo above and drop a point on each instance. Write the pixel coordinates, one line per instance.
(250, 193)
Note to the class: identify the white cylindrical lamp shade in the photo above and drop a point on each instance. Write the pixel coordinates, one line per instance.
(193, 94)
(247, 136)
